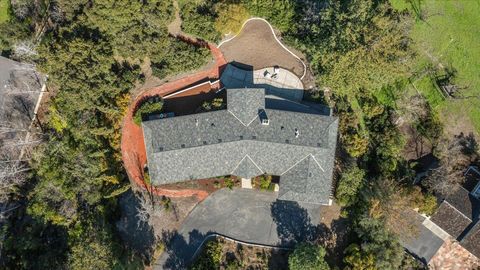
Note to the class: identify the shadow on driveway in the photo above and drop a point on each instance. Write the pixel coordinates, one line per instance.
(245, 215)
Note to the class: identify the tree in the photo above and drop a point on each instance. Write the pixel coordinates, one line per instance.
(350, 183)
(356, 259)
(230, 17)
(377, 240)
(92, 250)
(307, 256)
(355, 45)
(393, 204)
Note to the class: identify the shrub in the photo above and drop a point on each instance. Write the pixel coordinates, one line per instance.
(425, 202)
(215, 104)
(307, 256)
(166, 203)
(152, 105)
(210, 258)
(265, 182)
(229, 183)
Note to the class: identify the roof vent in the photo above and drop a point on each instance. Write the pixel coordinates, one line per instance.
(241, 137)
(205, 142)
(263, 117)
(183, 145)
(219, 140)
(297, 133)
(196, 122)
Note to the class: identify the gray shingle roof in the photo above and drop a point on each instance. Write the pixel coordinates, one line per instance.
(245, 104)
(247, 168)
(305, 182)
(235, 142)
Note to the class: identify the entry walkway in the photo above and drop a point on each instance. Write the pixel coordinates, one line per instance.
(246, 215)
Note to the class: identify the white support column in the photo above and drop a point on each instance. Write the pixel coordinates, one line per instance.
(247, 183)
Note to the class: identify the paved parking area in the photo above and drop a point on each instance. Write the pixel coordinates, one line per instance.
(246, 215)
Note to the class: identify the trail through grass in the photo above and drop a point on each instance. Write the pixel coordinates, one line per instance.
(447, 35)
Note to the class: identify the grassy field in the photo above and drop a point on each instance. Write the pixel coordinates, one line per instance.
(4, 10)
(447, 35)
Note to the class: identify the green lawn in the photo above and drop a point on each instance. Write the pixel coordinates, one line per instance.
(4, 10)
(449, 35)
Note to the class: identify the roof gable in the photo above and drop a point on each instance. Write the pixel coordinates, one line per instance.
(305, 182)
(247, 168)
(245, 104)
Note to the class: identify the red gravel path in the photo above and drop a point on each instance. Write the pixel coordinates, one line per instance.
(132, 144)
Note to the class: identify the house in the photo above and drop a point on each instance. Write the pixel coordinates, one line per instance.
(458, 216)
(256, 134)
(453, 231)
(21, 91)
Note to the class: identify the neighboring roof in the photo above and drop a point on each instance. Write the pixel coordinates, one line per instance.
(20, 88)
(471, 241)
(464, 202)
(457, 212)
(450, 220)
(220, 143)
(423, 245)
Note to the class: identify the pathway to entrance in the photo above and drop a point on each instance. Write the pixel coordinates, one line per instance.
(249, 216)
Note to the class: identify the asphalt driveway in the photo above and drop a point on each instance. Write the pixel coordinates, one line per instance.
(246, 215)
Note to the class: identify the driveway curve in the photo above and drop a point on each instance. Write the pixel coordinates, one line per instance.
(249, 216)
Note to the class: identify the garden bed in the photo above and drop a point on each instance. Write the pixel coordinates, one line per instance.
(209, 185)
(225, 254)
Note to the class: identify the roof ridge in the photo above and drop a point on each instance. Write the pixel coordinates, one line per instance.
(454, 208)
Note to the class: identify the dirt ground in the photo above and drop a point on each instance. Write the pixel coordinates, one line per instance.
(334, 236)
(416, 146)
(256, 46)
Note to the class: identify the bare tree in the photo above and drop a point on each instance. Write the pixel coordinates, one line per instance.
(456, 156)
(152, 207)
(25, 49)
